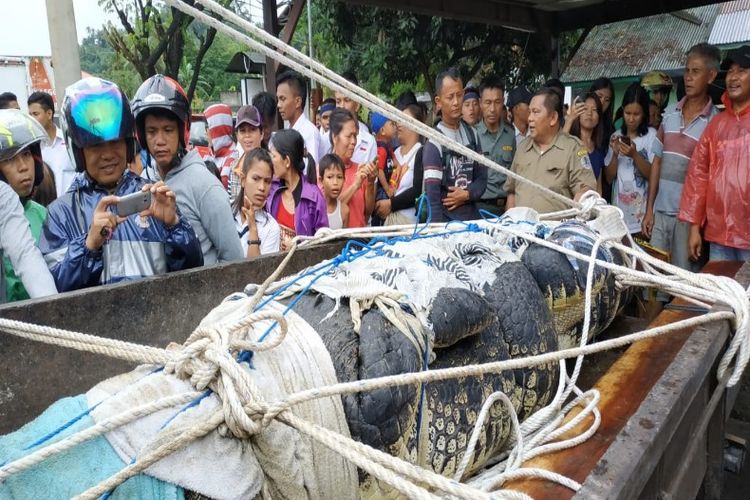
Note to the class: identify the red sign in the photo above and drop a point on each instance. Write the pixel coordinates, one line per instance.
(39, 78)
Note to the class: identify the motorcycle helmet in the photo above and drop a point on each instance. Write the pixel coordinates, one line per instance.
(95, 111)
(20, 132)
(163, 93)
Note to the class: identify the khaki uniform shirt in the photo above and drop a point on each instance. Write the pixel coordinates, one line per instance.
(564, 168)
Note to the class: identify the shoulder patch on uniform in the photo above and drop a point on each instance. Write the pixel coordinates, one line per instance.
(584, 159)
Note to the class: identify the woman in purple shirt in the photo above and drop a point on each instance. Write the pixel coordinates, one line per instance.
(297, 205)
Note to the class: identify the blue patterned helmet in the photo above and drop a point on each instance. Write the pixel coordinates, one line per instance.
(96, 111)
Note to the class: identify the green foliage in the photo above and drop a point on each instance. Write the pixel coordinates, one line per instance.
(393, 51)
(99, 59)
(389, 51)
(133, 50)
(212, 78)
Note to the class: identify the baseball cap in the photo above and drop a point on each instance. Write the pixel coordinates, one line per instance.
(249, 115)
(470, 93)
(517, 96)
(377, 121)
(740, 56)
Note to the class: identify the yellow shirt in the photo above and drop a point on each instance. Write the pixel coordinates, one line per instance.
(564, 168)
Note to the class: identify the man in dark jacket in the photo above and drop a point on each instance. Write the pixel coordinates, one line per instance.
(84, 241)
(453, 183)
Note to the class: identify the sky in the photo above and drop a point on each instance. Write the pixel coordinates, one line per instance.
(24, 24)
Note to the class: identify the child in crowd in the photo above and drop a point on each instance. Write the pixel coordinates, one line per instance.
(629, 161)
(259, 232)
(654, 115)
(384, 130)
(332, 181)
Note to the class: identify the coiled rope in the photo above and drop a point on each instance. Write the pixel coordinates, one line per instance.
(205, 359)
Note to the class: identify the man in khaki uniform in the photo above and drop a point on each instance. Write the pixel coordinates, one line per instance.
(549, 157)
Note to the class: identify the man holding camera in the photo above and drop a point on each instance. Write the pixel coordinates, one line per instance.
(96, 234)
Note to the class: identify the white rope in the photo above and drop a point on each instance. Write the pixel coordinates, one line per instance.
(294, 59)
(219, 371)
(92, 432)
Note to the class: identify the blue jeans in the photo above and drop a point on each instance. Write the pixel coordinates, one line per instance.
(720, 252)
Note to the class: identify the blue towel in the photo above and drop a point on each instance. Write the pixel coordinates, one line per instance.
(76, 470)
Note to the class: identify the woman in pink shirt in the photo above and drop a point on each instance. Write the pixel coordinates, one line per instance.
(359, 180)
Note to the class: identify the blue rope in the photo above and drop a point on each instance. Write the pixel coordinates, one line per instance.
(191, 404)
(60, 429)
(352, 250)
(77, 418)
(423, 386)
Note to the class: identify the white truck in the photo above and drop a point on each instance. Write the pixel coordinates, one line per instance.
(24, 75)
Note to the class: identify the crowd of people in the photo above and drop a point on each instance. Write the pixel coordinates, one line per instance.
(70, 197)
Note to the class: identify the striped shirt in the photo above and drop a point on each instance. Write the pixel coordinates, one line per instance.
(674, 145)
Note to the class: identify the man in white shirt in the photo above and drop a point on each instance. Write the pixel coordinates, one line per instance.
(291, 93)
(366, 149)
(54, 151)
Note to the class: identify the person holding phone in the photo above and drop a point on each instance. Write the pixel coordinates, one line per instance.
(632, 149)
(86, 240)
(587, 124)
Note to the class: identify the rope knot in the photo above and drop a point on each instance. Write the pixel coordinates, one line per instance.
(590, 201)
(210, 360)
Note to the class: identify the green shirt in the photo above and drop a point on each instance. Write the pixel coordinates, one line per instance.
(500, 147)
(35, 214)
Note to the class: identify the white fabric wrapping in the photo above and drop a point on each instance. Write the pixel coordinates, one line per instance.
(292, 465)
(414, 273)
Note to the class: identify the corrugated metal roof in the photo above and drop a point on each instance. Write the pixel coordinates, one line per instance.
(634, 47)
(732, 25)
(728, 7)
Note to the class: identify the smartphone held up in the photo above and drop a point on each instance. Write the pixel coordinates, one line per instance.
(133, 203)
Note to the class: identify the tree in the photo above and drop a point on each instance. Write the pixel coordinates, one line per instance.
(99, 59)
(388, 51)
(152, 39)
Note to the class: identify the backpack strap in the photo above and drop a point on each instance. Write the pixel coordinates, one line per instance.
(473, 144)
